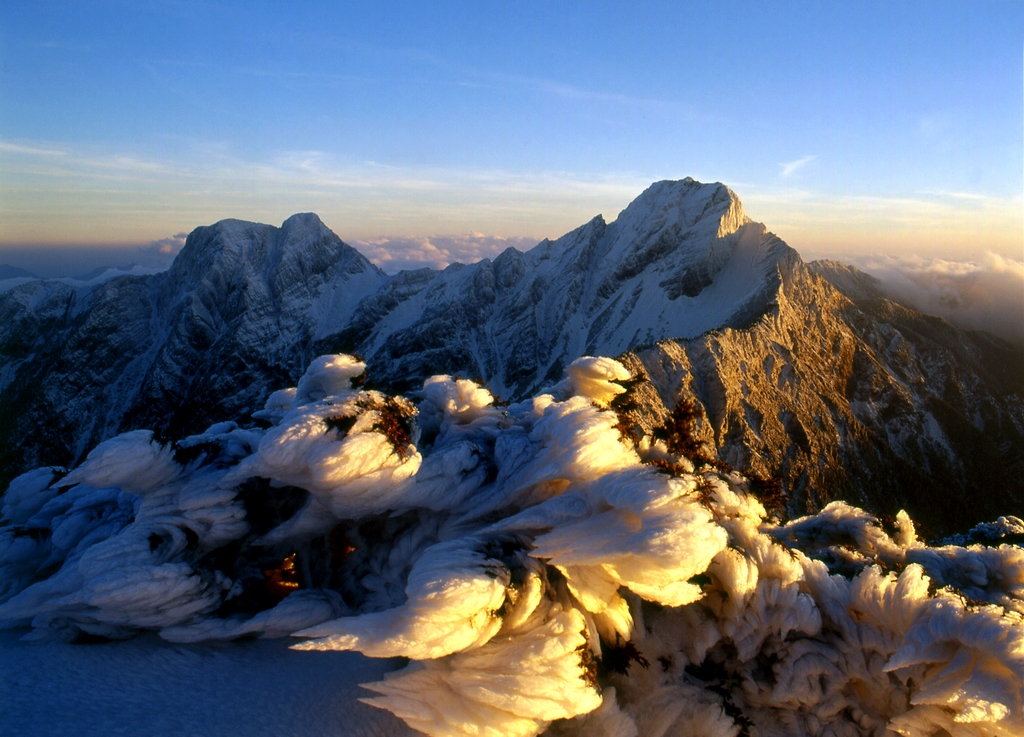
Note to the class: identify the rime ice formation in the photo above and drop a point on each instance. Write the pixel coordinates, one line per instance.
(544, 566)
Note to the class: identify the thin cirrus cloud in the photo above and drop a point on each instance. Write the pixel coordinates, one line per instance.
(792, 166)
(109, 196)
(949, 225)
(13, 148)
(444, 71)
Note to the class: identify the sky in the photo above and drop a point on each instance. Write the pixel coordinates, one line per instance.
(436, 131)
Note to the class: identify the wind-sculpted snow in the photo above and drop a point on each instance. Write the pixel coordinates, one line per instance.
(541, 567)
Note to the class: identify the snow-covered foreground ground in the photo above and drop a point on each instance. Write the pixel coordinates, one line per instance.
(544, 566)
(147, 686)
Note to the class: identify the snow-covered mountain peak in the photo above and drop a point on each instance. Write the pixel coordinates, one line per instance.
(235, 251)
(303, 221)
(682, 259)
(684, 231)
(681, 205)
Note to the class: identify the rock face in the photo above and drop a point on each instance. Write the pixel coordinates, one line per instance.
(862, 400)
(798, 371)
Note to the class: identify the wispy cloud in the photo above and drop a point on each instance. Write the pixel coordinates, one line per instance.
(933, 125)
(14, 148)
(433, 69)
(953, 195)
(929, 210)
(825, 225)
(58, 45)
(792, 166)
(95, 194)
(568, 91)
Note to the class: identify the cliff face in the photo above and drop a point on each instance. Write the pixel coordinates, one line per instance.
(799, 372)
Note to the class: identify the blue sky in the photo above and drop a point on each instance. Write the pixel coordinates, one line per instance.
(845, 127)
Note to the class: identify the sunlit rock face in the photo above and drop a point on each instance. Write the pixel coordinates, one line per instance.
(862, 400)
(799, 372)
(545, 567)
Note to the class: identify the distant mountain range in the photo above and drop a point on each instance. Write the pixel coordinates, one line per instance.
(802, 373)
(13, 272)
(13, 276)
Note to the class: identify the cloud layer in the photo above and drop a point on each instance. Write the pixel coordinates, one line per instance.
(168, 247)
(951, 225)
(58, 261)
(986, 294)
(393, 254)
(792, 166)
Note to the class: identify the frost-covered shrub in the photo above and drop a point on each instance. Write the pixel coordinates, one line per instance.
(541, 567)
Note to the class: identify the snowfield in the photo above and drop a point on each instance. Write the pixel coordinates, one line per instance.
(147, 686)
(540, 566)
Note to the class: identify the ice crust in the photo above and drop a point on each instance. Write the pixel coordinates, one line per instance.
(541, 569)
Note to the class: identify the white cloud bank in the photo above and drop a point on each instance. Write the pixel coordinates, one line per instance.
(393, 254)
(75, 261)
(983, 294)
(169, 246)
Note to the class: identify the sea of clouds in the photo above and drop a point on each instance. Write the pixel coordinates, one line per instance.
(395, 253)
(978, 294)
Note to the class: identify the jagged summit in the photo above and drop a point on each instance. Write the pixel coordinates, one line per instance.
(303, 244)
(682, 204)
(662, 214)
(680, 260)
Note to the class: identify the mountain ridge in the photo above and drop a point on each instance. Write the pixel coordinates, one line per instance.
(245, 307)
